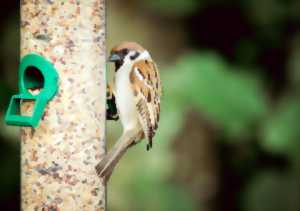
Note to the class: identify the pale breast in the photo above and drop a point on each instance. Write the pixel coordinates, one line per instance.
(125, 99)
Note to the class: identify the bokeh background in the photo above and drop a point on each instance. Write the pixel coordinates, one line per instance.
(228, 139)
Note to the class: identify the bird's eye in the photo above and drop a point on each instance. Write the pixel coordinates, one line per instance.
(125, 51)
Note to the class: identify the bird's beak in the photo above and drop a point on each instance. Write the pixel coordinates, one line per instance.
(114, 58)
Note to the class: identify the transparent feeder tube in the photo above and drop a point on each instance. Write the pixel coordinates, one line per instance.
(58, 157)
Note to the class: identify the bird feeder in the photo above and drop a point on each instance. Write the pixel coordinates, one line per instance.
(60, 106)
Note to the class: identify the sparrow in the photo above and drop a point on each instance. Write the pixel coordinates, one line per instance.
(137, 92)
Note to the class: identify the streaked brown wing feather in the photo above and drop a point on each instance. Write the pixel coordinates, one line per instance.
(145, 81)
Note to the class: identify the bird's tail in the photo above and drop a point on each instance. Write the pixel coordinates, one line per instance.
(106, 166)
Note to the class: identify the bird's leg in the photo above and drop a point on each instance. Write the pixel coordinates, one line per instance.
(106, 166)
(111, 108)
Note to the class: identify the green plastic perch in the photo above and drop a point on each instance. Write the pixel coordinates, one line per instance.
(35, 72)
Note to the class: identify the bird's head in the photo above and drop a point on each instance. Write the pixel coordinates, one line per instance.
(126, 53)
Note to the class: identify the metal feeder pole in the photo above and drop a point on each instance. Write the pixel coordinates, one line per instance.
(58, 157)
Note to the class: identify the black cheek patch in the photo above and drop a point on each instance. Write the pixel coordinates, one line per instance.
(133, 57)
(118, 64)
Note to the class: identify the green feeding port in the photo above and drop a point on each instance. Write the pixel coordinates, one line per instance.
(38, 83)
(34, 79)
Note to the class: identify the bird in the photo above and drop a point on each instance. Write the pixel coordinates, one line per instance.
(137, 92)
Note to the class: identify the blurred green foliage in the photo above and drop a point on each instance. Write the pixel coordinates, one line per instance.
(234, 101)
(281, 132)
(271, 190)
(176, 8)
(236, 97)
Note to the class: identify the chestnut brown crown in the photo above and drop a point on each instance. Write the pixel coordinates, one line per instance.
(127, 45)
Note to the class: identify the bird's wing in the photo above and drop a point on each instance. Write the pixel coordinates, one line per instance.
(146, 85)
